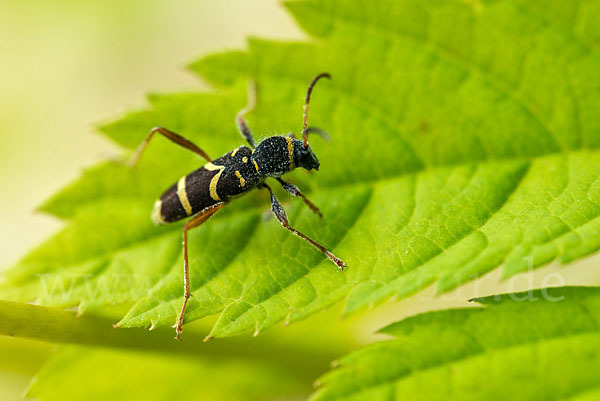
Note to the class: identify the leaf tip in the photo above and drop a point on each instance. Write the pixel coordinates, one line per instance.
(207, 338)
(485, 300)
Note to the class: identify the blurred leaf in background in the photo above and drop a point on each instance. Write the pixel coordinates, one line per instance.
(155, 377)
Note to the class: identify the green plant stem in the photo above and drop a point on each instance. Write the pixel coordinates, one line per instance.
(59, 326)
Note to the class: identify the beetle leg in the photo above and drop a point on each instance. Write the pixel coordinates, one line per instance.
(279, 212)
(294, 191)
(193, 223)
(178, 139)
(239, 118)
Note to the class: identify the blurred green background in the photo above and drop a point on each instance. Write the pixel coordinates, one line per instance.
(66, 65)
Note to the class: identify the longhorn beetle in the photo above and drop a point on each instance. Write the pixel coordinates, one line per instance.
(204, 191)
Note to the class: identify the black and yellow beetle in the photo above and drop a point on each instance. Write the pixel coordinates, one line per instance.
(204, 191)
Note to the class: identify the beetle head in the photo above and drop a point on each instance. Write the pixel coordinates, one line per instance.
(304, 156)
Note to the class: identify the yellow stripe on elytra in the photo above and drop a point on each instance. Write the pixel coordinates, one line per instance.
(290, 151)
(157, 213)
(256, 166)
(239, 176)
(211, 167)
(182, 194)
(213, 184)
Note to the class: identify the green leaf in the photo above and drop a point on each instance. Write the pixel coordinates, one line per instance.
(465, 137)
(540, 345)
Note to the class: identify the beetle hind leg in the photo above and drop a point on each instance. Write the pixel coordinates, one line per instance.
(196, 221)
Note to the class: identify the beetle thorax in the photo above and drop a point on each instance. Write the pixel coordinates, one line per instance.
(274, 156)
(278, 155)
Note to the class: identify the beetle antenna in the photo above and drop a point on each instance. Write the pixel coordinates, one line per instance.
(305, 129)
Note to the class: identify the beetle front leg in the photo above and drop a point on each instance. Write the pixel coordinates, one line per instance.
(279, 212)
(294, 191)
